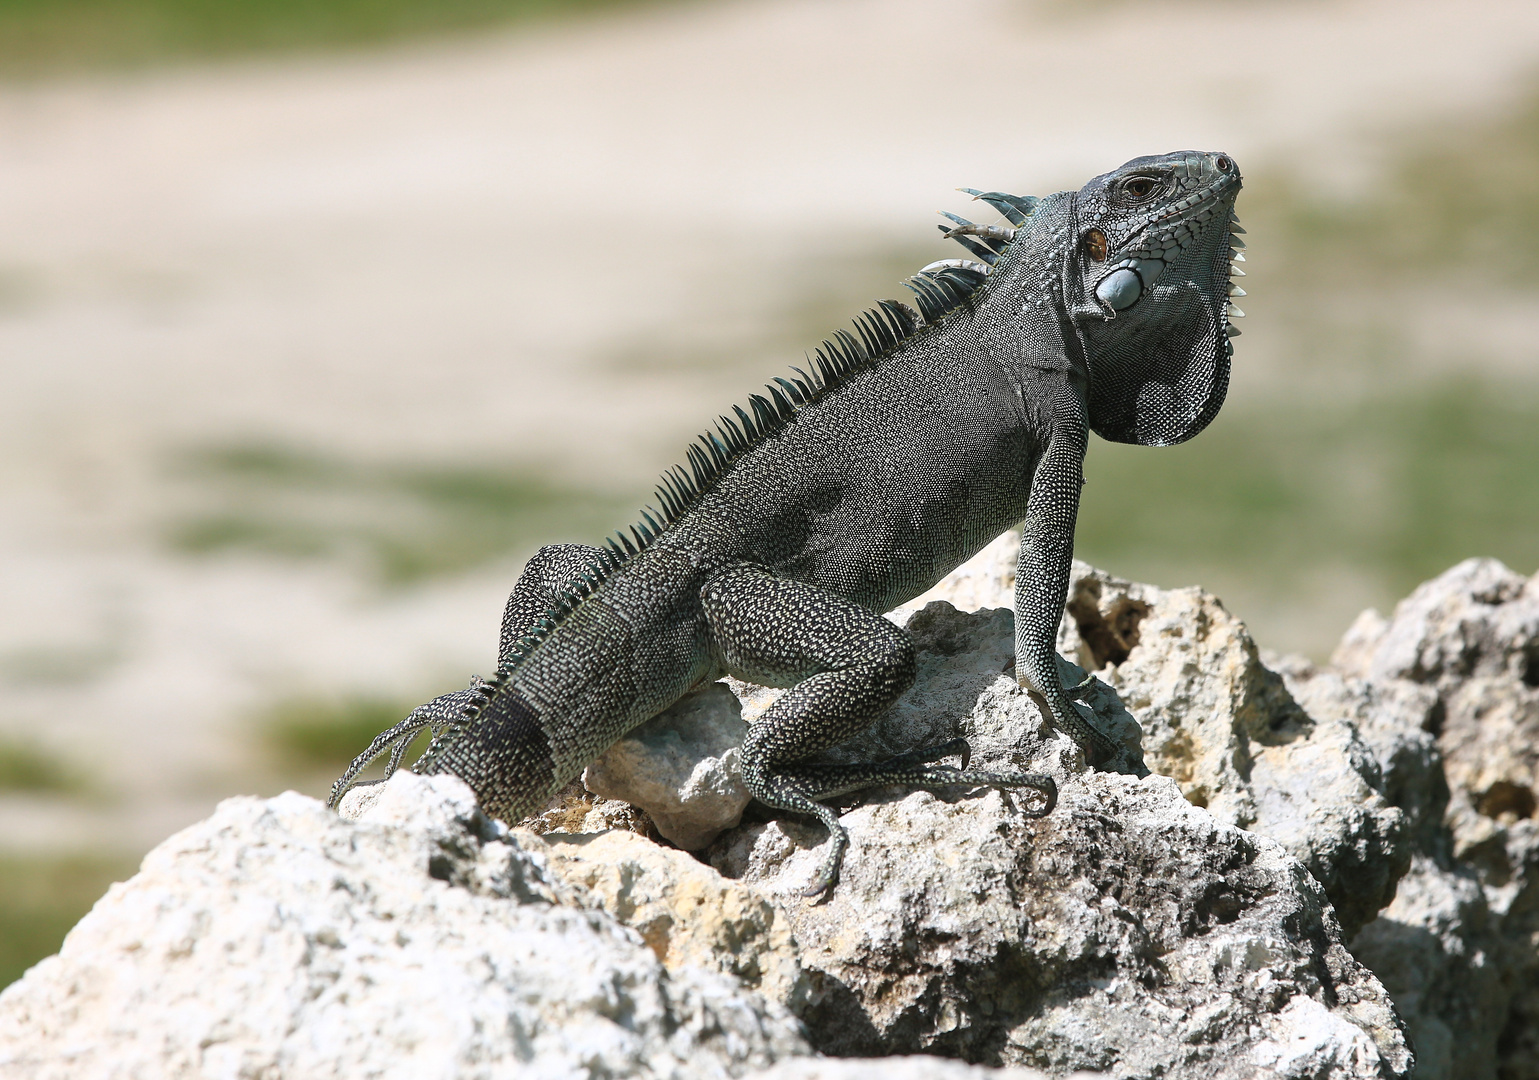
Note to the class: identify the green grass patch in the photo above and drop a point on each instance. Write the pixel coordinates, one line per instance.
(26, 767)
(41, 897)
(1462, 200)
(1396, 487)
(404, 523)
(39, 37)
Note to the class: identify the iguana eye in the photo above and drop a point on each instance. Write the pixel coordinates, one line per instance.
(1140, 187)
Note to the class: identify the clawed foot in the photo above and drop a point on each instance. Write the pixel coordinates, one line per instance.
(1080, 690)
(395, 740)
(918, 769)
(1043, 786)
(443, 713)
(828, 874)
(988, 232)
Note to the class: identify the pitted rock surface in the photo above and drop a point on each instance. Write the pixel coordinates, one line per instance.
(681, 767)
(1126, 932)
(1181, 676)
(1227, 728)
(1455, 673)
(687, 913)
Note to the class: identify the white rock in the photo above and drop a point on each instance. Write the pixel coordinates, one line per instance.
(686, 912)
(1192, 690)
(1454, 678)
(276, 939)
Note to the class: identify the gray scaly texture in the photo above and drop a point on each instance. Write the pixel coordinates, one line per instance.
(854, 487)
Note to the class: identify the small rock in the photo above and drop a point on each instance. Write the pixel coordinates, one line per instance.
(681, 767)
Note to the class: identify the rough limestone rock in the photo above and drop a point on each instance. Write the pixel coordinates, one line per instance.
(918, 1067)
(1225, 725)
(681, 767)
(1208, 712)
(1472, 637)
(687, 913)
(277, 939)
(1454, 674)
(1176, 926)
(1127, 932)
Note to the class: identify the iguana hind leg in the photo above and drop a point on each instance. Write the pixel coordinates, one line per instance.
(844, 665)
(548, 573)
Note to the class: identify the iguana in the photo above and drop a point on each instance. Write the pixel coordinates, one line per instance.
(855, 486)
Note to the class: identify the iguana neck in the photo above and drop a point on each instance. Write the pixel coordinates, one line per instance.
(1025, 317)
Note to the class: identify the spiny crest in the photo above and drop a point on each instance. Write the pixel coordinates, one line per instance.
(1236, 256)
(876, 334)
(1015, 208)
(943, 287)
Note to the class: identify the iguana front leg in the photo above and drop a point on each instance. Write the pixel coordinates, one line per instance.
(1042, 575)
(844, 665)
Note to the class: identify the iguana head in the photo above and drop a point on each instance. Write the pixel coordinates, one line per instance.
(1146, 285)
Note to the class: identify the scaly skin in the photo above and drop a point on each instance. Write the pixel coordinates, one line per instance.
(849, 491)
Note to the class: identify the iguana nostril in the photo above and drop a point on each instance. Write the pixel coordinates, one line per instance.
(1223, 163)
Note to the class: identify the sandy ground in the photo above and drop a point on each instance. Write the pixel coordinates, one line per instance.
(449, 251)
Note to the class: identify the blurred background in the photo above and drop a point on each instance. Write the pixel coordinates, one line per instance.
(317, 316)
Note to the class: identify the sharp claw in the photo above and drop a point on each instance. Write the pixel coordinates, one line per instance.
(966, 264)
(1049, 791)
(1080, 688)
(988, 232)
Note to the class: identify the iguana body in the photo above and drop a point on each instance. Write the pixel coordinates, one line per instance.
(856, 488)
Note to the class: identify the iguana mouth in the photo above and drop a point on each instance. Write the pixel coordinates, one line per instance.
(1189, 206)
(1149, 250)
(1173, 230)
